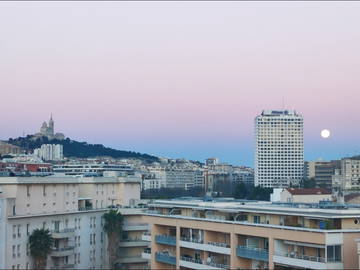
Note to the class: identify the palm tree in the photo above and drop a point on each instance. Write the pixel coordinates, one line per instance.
(40, 242)
(113, 221)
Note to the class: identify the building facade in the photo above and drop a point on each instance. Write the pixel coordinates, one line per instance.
(50, 152)
(196, 234)
(279, 149)
(71, 208)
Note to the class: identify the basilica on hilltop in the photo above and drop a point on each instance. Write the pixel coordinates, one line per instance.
(47, 130)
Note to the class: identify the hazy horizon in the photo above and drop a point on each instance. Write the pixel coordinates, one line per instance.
(181, 79)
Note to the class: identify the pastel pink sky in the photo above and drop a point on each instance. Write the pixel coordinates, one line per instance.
(181, 79)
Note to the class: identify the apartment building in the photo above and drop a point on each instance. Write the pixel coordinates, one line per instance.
(279, 149)
(173, 177)
(71, 208)
(50, 152)
(132, 243)
(91, 169)
(348, 177)
(322, 172)
(234, 234)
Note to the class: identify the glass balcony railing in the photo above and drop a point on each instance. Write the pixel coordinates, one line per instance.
(252, 253)
(165, 239)
(165, 258)
(203, 262)
(302, 257)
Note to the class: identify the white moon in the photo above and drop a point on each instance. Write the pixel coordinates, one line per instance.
(325, 133)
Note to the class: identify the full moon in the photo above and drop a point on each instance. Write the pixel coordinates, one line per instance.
(325, 133)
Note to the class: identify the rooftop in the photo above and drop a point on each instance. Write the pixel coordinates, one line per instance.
(66, 180)
(309, 191)
(323, 209)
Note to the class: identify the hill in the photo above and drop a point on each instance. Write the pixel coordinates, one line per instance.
(79, 149)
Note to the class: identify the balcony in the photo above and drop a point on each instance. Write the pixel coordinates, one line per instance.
(305, 261)
(146, 254)
(135, 227)
(165, 240)
(252, 253)
(133, 243)
(146, 237)
(131, 259)
(165, 258)
(217, 247)
(62, 252)
(200, 264)
(65, 233)
(63, 266)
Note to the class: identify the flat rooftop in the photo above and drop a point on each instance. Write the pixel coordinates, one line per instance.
(66, 180)
(325, 209)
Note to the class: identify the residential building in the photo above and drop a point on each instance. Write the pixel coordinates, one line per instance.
(91, 169)
(305, 195)
(322, 172)
(71, 208)
(132, 244)
(279, 149)
(348, 177)
(231, 234)
(9, 149)
(212, 161)
(50, 152)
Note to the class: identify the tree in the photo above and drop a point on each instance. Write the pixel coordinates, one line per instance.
(40, 242)
(240, 191)
(113, 221)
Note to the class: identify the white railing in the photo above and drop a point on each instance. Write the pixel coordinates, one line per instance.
(224, 245)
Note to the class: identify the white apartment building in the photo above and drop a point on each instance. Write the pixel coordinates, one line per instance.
(50, 152)
(173, 177)
(71, 208)
(279, 148)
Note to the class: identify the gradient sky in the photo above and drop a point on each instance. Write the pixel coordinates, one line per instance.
(181, 79)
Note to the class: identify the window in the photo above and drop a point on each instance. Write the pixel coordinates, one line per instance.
(14, 251)
(256, 219)
(334, 253)
(27, 229)
(27, 266)
(44, 190)
(18, 250)
(14, 231)
(28, 190)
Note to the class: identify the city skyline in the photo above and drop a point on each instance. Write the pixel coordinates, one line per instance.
(141, 78)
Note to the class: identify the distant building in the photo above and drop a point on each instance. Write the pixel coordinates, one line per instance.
(50, 152)
(322, 171)
(348, 177)
(8, 149)
(305, 195)
(212, 161)
(48, 130)
(92, 169)
(279, 149)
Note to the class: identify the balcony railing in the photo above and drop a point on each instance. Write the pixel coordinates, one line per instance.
(87, 208)
(193, 240)
(165, 258)
(67, 230)
(302, 257)
(62, 249)
(252, 253)
(165, 239)
(204, 262)
(147, 250)
(224, 245)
